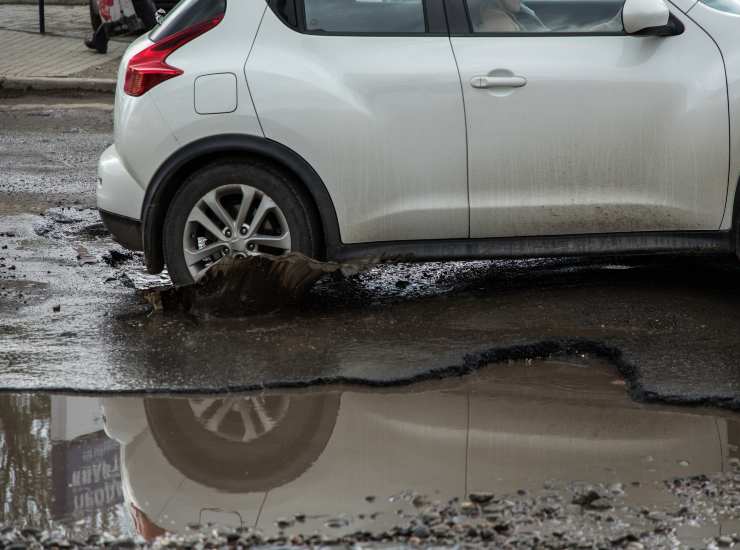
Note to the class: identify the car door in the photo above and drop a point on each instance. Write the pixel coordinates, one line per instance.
(368, 94)
(575, 127)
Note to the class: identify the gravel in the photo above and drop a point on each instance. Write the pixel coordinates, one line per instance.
(558, 517)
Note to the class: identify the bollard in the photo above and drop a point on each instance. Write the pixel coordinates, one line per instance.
(42, 22)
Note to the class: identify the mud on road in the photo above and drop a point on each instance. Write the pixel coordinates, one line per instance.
(507, 403)
(76, 313)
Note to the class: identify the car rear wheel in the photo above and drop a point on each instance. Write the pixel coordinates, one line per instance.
(235, 208)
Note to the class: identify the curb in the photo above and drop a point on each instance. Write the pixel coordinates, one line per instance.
(56, 84)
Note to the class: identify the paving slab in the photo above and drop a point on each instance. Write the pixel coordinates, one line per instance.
(60, 20)
(34, 55)
(33, 60)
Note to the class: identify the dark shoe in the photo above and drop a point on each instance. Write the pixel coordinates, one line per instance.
(98, 41)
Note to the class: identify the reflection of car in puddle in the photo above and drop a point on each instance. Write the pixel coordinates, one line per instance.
(242, 443)
(249, 460)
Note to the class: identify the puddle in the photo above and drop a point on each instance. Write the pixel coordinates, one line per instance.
(550, 453)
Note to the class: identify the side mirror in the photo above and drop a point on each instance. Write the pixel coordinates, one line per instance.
(645, 16)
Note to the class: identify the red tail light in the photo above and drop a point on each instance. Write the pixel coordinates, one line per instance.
(149, 67)
(144, 526)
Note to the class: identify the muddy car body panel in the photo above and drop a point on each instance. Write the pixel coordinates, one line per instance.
(724, 31)
(396, 137)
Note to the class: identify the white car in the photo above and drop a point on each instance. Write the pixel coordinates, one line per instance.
(426, 130)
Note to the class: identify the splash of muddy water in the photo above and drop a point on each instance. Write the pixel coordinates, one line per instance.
(241, 286)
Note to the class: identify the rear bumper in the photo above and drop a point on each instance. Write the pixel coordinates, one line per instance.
(125, 231)
(119, 200)
(118, 192)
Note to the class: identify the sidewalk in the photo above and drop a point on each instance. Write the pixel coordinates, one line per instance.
(58, 60)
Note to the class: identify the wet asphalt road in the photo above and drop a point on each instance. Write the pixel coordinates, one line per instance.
(69, 320)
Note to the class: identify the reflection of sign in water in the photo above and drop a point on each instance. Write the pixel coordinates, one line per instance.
(86, 475)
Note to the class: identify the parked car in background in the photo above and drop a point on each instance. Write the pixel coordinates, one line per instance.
(426, 130)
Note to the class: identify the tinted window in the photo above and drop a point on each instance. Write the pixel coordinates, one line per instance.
(365, 16)
(546, 16)
(186, 14)
(286, 10)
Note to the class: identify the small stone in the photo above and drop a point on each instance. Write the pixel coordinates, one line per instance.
(431, 518)
(600, 504)
(481, 498)
(421, 531)
(283, 523)
(31, 532)
(585, 499)
(114, 258)
(503, 528)
(419, 501)
(657, 516)
(486, 534)
(336, 523)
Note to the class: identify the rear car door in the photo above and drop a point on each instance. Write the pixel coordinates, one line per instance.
(586, 129)
(369, 95)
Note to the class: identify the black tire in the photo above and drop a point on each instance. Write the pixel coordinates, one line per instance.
(95, 20)
(291, 199)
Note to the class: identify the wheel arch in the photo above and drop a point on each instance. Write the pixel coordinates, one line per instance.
(170, 175)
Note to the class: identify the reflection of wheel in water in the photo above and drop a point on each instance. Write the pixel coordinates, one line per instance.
(243, 443)
(241, 419)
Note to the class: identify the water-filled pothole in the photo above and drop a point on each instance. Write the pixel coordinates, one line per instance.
(550, 453)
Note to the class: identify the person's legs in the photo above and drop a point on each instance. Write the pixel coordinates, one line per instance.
(147, 12)
(99, 39)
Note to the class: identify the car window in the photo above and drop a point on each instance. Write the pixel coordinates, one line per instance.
(365, 16)
(546, 16)
(730, 6)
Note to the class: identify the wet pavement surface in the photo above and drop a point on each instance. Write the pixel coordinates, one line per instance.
(508, 403)
(551, 454)
(75, 313)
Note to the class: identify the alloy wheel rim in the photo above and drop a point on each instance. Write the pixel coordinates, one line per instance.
(241, 419)
(237, 220)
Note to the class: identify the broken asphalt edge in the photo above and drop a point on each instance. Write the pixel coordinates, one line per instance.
(471, 363)
(57, 84)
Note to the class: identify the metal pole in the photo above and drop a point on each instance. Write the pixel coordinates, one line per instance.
(42, 22)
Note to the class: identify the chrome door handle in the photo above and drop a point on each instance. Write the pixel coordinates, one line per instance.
(498, 81)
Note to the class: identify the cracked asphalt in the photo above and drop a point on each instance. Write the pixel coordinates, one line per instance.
(74, 314)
